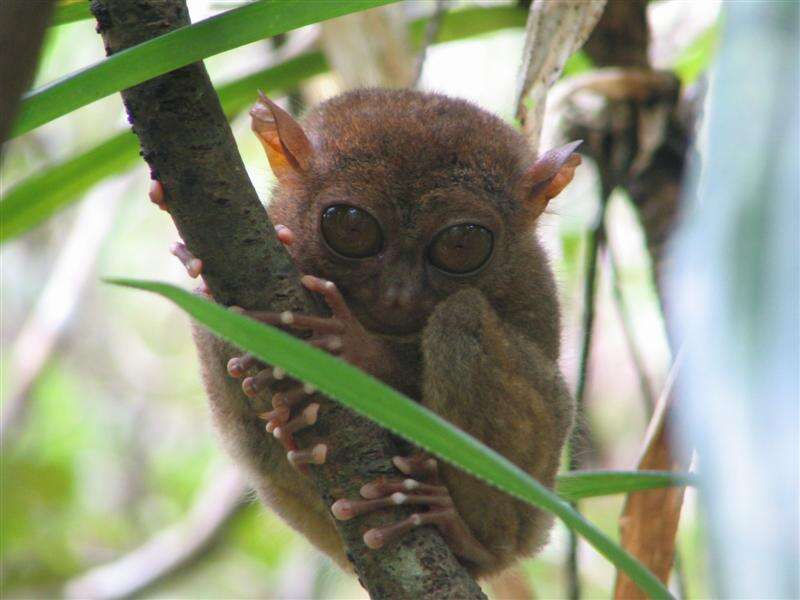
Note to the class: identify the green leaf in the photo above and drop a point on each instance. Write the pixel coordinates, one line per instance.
(399, 414)
(589, 484)
(68, 11)
(250, 23)
(39, 196)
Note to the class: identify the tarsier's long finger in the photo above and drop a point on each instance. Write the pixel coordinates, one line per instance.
(455, 532)
(156, 194)
(262, 380)
(194, 266)
(385, 487)
(379, 537)
(239, 365)
(288, 319)
(290, 398)
(345, 509)
(285, 235)
(203, 290)
(315, 456)
(306, 418)
(420, 466)
(331, 343)
(275, 417)
(331, 294)
(283, 402)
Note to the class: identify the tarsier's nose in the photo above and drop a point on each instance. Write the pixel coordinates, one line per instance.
(399, 296)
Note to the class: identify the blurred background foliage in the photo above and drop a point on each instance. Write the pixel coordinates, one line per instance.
(113, 444)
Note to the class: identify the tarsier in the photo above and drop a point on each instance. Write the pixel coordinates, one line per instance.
(413, 216)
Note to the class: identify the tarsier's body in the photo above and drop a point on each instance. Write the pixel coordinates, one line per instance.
(463, 320)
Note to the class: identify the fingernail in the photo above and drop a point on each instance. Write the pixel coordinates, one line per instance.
(341, 509)
(195, 267)
(310, 413)
(373, 539)
(287, 318)
(234, 367)
(319, 453)
(249, 387)
(308, 388)
(278, 373)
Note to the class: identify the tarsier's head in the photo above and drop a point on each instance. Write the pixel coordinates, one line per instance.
(402, 198)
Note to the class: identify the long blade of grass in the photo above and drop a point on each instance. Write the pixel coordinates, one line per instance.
(396, 412)
(68, 11)
(577, 485)
(250, 23)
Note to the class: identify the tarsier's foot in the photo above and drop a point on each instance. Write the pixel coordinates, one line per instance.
(421, 488)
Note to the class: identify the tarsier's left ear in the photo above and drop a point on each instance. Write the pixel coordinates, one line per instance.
(548, 176)
(288, 149)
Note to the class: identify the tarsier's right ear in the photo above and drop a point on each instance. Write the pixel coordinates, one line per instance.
(548, 176)
(288, 149)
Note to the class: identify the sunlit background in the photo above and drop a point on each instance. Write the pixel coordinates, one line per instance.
(111, 451)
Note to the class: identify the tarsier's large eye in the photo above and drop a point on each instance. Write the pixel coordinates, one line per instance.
(351, 232)
(461, 248)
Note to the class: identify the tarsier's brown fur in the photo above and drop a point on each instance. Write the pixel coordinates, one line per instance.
(481, 350)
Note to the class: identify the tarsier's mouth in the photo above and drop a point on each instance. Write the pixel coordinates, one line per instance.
(393, 322)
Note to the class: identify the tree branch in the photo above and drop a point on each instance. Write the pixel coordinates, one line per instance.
(186, 140)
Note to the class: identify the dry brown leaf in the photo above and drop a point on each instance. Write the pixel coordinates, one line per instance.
(649, 520)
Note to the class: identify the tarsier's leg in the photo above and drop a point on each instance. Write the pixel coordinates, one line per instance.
(421, 488)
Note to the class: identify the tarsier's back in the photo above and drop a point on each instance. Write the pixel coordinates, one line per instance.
(416, 214)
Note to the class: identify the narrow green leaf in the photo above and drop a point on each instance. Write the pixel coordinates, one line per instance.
(589, 484)
(250, 23)
(399, 414)
(68, 11)
(39, 196)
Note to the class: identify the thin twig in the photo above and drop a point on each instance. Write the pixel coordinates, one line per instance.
(431, 34)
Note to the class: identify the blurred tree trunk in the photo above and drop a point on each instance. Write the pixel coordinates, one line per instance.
(188, 144)
(22, 27)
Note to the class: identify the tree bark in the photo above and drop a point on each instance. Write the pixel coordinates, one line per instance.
(22, 27)
(189, 147)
